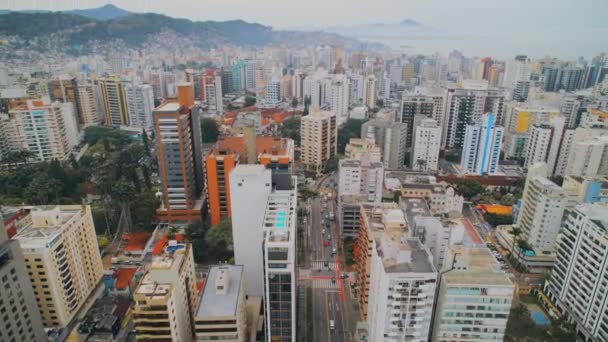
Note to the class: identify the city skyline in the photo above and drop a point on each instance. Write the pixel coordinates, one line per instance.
(496, 29)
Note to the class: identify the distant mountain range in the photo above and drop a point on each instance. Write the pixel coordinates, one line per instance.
(405, 28)
(108, 23)
(106, 12)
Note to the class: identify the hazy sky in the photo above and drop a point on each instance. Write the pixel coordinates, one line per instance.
(563, 22)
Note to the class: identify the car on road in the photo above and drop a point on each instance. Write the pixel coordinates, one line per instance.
(325, 243)
(328, 236)
(323, 231)
(332, 325)
(333, 250)
(333, 280)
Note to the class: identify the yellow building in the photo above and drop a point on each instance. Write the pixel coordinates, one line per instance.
(62, 258)
(114, 101)
(318, 139)
(407, 73)
(166, 298)
(520, 117)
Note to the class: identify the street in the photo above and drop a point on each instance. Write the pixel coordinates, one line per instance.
(330, 300)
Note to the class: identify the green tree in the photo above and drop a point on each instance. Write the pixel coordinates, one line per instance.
(508, 199)
(379, 103)
(143, 209)
(469, 188)
(210, 130)
(332, 164)
(498, 220)
(42, 189)
(290, 128)
(516, 232)
(219, 240)
(249, 101)
(350, 129)
(294, 103)
(307, 102)
(123, 192)
(146, 142)
(16, 157)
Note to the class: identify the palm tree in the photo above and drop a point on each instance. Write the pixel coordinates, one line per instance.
(516, 232)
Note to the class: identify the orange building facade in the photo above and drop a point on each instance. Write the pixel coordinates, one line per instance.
(229, 152)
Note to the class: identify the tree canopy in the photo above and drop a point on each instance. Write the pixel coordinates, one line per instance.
(351, 129)
(210, 130)
(249, 101)
(290, 128)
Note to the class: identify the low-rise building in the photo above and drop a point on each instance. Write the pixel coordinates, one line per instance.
(221, 313)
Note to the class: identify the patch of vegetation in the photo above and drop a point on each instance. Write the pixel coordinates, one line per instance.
(290, 128)
(351, 129)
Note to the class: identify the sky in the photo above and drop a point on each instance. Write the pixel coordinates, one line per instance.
(569, 27)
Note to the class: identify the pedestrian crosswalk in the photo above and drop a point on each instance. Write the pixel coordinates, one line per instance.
(321, 266)
(324, 284)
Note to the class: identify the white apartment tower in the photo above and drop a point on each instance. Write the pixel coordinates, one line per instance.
(474, 298)
(48, 130)
(339, 96)
(392, 139)
(250, 186)
(426, 146)
(361, 177)
(588, 157)
(482, 144)
(402, 290)
(213, 94)
(542, 208)
(273, 93)
(543, 143)
(140, 104)
(577, 283)
(429, 102)
(468, 104)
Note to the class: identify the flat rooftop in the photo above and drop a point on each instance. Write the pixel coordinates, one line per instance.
(413, 207)
(168, 107)
(46, 223)
(482, 268)
(597, 213)
(279, 218)
(401, 254)
(214, 304)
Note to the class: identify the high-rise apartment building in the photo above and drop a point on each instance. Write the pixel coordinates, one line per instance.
(213, 94)
(280, 262)
(588, 156)
(250, 186)
(361, 177)
(140, 103)
(474, 298)
(318, 139)
(482, 144)
(158, 84)
(165, 300)
(369, 91)
(177, 130)
(273, 152)
(62, 257)
(426, 146)
(423, 101)
(468, 104)
(87, 105)
(221, 313)
(543, 143)
(392, 139)
(395, 276)
(273, 93)
(48, 130)
(21, 319)
(339, 96)
(541, 212)
(114, 101)
(577, 283)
